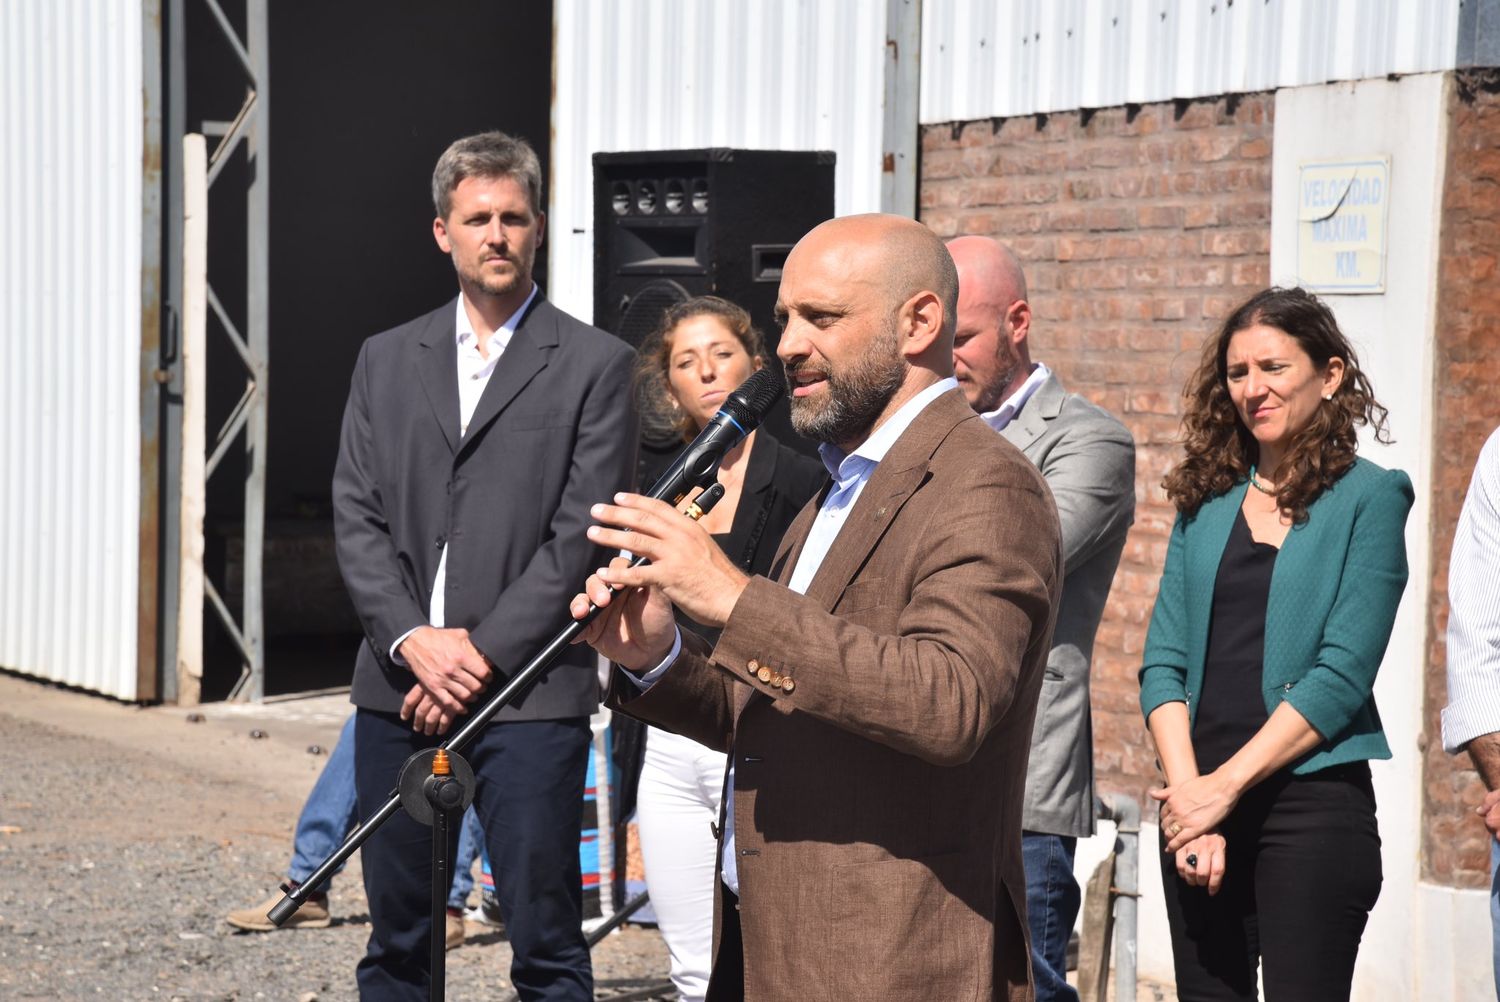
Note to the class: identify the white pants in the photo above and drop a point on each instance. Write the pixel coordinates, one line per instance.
(681, 784)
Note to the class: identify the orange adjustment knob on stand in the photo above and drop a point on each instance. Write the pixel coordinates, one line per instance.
(440, 766)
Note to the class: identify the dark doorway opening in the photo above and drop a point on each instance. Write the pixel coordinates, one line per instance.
(362, 101)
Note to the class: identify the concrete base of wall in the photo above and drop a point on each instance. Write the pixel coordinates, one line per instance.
(1449, 934)
(1453, 941)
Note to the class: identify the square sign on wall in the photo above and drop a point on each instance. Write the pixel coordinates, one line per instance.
(1341, 224)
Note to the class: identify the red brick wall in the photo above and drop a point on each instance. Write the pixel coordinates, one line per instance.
(1467, 408)
(1139, 228)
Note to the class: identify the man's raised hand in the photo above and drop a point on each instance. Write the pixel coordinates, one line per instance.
(636, 628)
(686, 565)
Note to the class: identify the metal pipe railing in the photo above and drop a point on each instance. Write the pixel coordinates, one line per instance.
(1125, 812)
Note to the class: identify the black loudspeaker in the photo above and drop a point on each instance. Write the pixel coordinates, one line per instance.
(673, 224)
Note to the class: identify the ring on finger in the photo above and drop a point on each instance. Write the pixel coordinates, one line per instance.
(1192, 859)
(1174, 829)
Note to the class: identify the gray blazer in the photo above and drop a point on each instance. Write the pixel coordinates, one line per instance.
(1088, 460)
(554, 432)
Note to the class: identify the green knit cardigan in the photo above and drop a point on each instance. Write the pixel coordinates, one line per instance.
(1334, 591)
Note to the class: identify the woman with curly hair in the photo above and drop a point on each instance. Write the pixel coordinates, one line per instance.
(1283, 573)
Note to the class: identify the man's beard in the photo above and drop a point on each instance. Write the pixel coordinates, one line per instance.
(503, 284)
(993, 395)
(854, 397)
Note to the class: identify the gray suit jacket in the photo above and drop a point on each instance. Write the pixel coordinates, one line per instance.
(554, 433)
(1088, 460)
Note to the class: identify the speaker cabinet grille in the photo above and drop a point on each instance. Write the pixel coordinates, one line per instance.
(673, 224)
(641, 310)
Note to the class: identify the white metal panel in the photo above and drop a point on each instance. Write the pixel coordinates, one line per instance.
(997, 58)
(682, 74)
(70, 340)
(1394, 334)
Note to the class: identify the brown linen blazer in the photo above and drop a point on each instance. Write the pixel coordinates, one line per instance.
(880, 726)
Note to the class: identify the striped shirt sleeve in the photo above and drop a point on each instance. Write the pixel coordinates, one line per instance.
(1474, 608)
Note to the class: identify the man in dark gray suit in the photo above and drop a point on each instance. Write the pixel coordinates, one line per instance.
(474, 441)
(1088, 460)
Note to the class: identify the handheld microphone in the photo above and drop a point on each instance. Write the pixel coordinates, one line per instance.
(741, 413)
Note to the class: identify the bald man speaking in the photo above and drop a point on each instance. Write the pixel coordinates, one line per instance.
(875, 694)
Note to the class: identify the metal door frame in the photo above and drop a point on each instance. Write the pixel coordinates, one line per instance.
(249, 127)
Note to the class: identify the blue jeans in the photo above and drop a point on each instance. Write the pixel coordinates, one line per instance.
(1495, 907)
(470, 844)
(1052, 901)
(330, 814)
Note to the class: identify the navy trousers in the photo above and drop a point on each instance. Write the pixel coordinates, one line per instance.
(530, 804)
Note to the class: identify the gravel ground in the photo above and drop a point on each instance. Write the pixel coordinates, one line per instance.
(126, 834)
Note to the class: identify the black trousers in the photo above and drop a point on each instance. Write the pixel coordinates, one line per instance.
(1302, 873)
(726, 982)
(530, 802)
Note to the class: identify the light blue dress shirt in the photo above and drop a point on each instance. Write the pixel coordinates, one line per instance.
(850, 474)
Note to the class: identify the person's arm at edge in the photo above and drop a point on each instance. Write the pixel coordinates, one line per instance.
(1471, 720)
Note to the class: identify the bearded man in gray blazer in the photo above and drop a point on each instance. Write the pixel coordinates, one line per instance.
(1087, 458)
(474, 441)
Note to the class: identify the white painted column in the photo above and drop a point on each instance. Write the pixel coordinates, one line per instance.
(189, 665)
(1423, 942)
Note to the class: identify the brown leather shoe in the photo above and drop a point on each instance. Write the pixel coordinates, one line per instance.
(312, 915)
(455, 931)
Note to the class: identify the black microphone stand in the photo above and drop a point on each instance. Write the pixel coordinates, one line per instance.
(435, 788)
(420, 765)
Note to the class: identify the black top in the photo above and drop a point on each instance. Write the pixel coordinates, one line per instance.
(1232, 708)
(778, 482)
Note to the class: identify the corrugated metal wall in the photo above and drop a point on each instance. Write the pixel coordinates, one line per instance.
(985, 59)
(682, 74)
(70, 340)
(806, 74)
